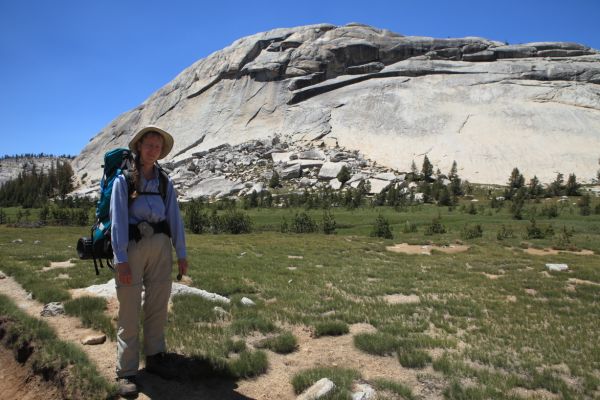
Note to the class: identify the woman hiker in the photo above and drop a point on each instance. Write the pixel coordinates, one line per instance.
(145, 223)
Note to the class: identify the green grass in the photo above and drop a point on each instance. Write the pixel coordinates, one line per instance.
(497, 334)
(393, 387)
(50, 356)
(284, 343)
(342, 377)
(331, 328)
(91, 312)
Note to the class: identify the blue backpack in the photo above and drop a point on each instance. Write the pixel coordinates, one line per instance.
(98, 245)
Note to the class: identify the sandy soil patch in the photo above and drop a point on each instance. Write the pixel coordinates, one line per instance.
(582, 282)
(549, 252)
(275, 384)
(328, 352)
(539, 394)
(60, 264)
(426, 248)
(491, 276)
(511, 299)
(18, 382)
(401, 299)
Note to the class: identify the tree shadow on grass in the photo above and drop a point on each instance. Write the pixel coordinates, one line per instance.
(195, 378)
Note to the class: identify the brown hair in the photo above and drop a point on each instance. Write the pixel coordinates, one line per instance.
(137, 164)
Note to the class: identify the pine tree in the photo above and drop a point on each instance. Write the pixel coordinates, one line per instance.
(535, 188)
(344, 175)
(427, 169)
(274, 181)
(572, 187)
(516, 179)
(557, 187)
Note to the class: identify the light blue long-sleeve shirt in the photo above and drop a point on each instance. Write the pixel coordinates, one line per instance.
(149, 208)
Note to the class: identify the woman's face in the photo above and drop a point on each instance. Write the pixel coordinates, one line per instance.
(149, 148)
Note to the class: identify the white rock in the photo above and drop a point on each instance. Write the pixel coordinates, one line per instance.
(93, 340)
(335, 184)
(320, 389)
(179, 289)
(378, 185)
(557, 267)
(247, 302)
(363, 392)
(330, 170)
(281, 157)
(386, 176)
(52, 310)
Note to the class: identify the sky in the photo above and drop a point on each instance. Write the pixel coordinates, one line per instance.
(69, 67)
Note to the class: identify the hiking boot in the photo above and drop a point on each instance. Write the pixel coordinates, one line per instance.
(127, 386)
(162, 365)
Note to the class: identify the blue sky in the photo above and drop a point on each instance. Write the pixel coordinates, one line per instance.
(68, 68)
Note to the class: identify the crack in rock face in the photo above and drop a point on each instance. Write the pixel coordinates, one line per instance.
(534, 106)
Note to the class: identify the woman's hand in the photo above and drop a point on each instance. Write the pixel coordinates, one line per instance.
(124, 273)
(183, 266)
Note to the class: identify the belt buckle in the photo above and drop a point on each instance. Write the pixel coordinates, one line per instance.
(146, 230)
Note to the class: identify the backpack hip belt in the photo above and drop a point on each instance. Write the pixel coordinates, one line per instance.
(147, 229)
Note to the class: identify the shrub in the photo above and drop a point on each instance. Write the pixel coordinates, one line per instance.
(329, 225)
(331, 328)
(382, 228)
(344, 175)
(248, 364)
(282, 344)
(236, 222)
(379, 344)
(533, 231)
(504, 233)
(550, 211)
(584, 205)
(303, 223)
(471, 232)
(472, 210)
(563, 242)
(435, 227)
(274, 181)
(409, 227)
(196, 219)
(413, 358)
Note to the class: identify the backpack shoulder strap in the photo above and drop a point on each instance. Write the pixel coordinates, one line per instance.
(130, 184)
(163, 182)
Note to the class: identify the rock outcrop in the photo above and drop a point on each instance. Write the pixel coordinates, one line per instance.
(488, 105)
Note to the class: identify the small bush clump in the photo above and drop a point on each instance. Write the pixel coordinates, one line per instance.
(436, 227)
(303, 223)
(409, 227)
(282, 344)
(413, 358)
(379, 344)
(329, 225)
(471, 232)
(504, 233)
(382, 228)
(331, 328)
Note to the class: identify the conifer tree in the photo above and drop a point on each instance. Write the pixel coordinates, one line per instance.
(572, 187)
(427, 169)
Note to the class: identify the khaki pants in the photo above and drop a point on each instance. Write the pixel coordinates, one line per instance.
(151, 262)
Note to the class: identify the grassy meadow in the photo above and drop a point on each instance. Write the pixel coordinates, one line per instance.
(491, 322)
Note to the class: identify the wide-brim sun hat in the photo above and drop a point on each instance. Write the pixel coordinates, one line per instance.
(167, 140)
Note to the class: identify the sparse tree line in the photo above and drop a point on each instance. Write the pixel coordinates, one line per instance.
(32, 155)
(48, 191)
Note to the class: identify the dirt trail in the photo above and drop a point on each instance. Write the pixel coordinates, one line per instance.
(273, 385)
